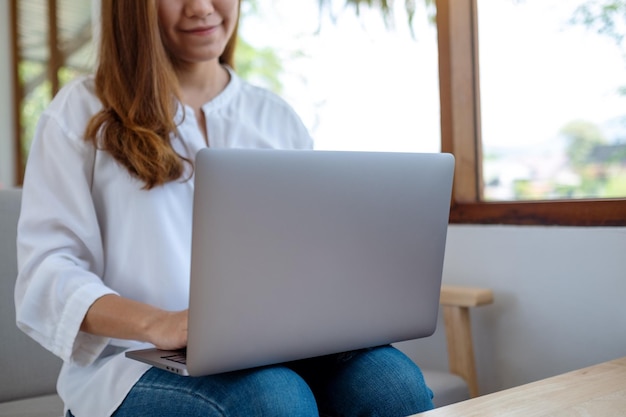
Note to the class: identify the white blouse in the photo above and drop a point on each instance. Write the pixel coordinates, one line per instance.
(87, 228)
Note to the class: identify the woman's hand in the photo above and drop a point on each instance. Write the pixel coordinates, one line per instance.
(122, 318)
(170, 331)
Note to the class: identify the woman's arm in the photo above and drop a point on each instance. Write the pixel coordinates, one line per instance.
(121, 318)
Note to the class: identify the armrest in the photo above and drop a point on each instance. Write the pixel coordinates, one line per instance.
(465, 296)
(456, 302)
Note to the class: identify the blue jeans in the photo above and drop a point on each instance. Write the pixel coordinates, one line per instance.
(370, 382)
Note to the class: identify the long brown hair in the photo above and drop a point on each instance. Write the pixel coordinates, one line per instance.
(137, 85)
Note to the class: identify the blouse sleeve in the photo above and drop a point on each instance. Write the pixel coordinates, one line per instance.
(59, 246)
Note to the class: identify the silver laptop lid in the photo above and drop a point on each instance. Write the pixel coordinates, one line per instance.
(304, 253)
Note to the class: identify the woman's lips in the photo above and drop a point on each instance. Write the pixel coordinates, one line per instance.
(203, 30)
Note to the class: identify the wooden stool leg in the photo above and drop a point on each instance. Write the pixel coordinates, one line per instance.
(460, 345)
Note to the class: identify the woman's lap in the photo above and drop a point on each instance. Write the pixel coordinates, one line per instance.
(266, 391)
(379, 382)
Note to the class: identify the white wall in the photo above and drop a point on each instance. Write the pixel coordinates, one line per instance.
(560, 300)
(6, 100)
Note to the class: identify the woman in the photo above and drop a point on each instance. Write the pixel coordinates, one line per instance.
(105, 230)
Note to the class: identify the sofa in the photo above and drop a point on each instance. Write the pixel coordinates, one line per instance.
(29, 372)
(28, 377)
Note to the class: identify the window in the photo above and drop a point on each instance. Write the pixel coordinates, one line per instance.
(552, 106)
(52, 45)
(359, 82)
(462, 135)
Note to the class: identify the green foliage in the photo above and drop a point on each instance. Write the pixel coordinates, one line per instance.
(34, 103)
(616, 185)
(386, 8)
(582, 137)
(523, 190)
(263, 66)
(259, 66)
(600, 178)
(606, 17)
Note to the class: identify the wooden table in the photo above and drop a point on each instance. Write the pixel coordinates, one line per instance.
(597, 391)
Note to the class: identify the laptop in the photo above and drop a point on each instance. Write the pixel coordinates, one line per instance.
(297, 254)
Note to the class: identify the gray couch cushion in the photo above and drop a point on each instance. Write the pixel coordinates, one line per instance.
(45, 406)
(27, 369)
(448, 388)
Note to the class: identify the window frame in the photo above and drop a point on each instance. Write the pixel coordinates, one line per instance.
(457, 27)
(56, 60)
(17, 94)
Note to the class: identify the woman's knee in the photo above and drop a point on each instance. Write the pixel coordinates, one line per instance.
(381, 381)
(399, 380)
(279, 391)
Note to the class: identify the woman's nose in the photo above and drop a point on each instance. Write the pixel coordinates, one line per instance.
(199, 8)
